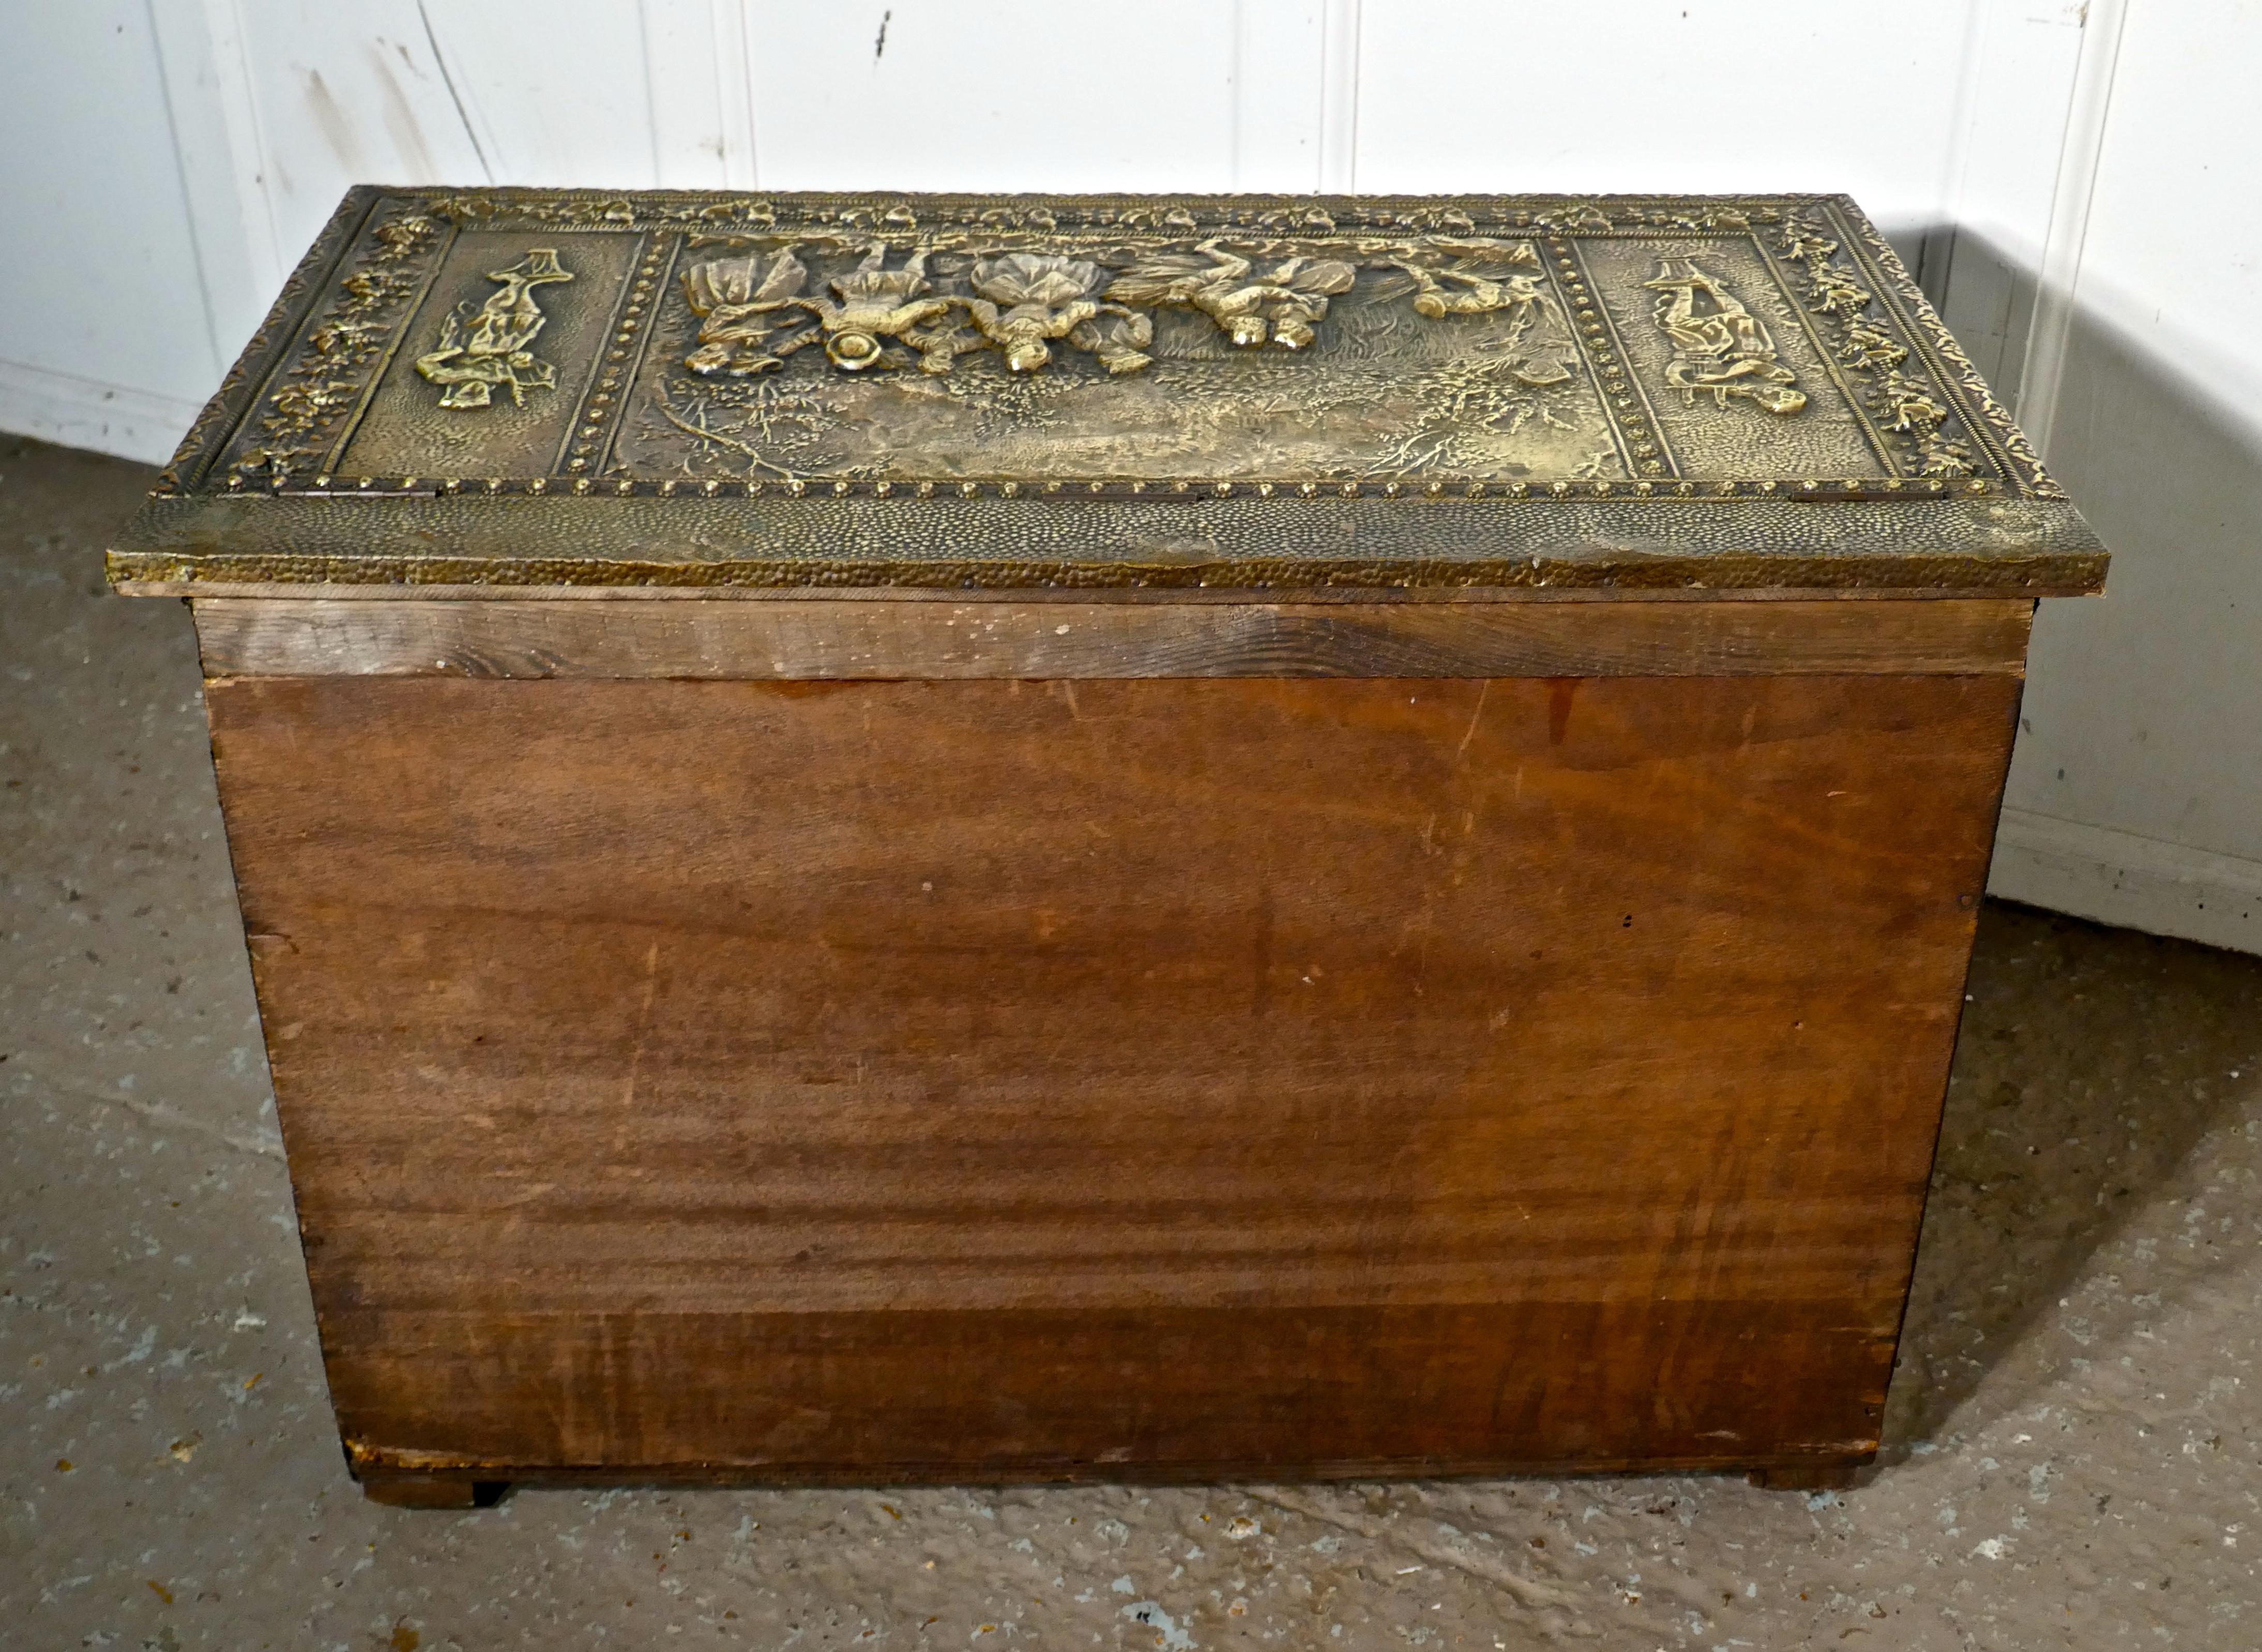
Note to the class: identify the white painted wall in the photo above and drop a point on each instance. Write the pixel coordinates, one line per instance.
(166, 160)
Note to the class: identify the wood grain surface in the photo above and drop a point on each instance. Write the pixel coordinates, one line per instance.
(991, 1079)
(850, 638)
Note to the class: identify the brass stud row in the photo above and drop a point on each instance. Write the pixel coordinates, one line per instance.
(1875, 488)
(1631, 413)
(620, 347)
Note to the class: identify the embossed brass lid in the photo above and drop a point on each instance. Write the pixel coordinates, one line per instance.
(556, 387)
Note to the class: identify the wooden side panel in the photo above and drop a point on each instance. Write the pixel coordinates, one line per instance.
(1139, 1077)
(863, 638)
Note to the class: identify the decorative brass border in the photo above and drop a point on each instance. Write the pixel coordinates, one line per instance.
(1815, 490)
(324, 289)
(2007, 531)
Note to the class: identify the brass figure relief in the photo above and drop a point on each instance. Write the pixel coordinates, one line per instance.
(1253, 306)
(1156, 357)
(1719, 346)
(755, 311)
(1023, 300)
(754, 314)
(471, 365)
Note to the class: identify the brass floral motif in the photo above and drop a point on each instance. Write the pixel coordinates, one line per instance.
(494, 352)
(1719, 346)
(294, 426)
(1901, 404)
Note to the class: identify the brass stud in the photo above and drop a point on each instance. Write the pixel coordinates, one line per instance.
(625, 487)
(839, 488)
(797, 487)
(968, 490)
(582, 486)
(926, 490)
(1308, 489)
(1101, 487)
(710, 488)
(536, 486)
(1224, 489)
(1009, 489)
(1434, 489)
(1264, 490)
(668, 490)
(1561, 488)
(880, 490)
(1351, 489)
(753, 488)
(1390, 490)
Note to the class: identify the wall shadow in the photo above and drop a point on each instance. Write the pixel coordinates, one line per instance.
(2144, 711)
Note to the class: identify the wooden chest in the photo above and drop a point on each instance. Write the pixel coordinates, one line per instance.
(933, 837)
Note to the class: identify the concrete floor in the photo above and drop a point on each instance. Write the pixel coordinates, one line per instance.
(2072, 1440)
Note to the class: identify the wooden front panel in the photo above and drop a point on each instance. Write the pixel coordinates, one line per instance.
(991, 1078)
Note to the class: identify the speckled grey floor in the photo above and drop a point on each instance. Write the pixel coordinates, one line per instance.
(2072, 1440)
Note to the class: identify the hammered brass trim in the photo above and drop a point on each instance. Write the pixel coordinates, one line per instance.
(270, 445)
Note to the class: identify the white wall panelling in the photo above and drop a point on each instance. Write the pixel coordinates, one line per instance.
(104, 336)
(2071, 214)
(1278, 81)
(2136, 789)
(2081, 150)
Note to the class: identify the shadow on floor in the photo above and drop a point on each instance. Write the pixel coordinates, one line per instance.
(2091, 1064)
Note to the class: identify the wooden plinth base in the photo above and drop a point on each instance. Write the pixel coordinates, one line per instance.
(456, 1492)
(434, 1492)
(1820, 1476)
